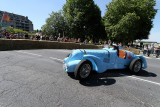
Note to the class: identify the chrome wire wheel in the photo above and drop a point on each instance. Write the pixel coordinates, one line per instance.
(137, 66)
(85, 70)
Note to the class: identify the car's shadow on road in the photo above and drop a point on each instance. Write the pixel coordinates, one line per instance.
(108, 77)
(127, 72)
(98, 80)
(145, 73)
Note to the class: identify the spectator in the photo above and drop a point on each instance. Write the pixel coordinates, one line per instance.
(34, 38)
(43, 37)
(15, 36)
(0, 34)
(37, 37)
(59, 38)
(110, 43)
(31, 37)
(86, 41)
(55, 38)
(47, 38)
(79, 40)
(75, 40)
(129, 45)
(90, 41)
(11, 36)
(149, 50)
(7, 35)
(26, 36)
(65, 39)
(120, 44)
(158, 51)
(69, 40)
(51, 38)
(152, 48)
(136, 46)
(145, 49)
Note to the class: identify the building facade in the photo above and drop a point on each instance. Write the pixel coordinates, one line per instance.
(17, 21)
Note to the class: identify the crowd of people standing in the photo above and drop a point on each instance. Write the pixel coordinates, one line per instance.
(151, 49)
(148, 49)
(39, 36)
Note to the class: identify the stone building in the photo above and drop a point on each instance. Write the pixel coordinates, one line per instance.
(17, 21)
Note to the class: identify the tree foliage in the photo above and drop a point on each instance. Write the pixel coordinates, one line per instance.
(128, 20)
(13, 30)
(84, 19)
(55, 24)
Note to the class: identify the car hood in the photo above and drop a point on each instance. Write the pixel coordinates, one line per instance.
(91, 51)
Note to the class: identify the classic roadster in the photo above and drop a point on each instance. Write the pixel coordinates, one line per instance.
(82, 62)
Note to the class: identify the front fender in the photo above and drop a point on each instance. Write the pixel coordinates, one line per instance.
(71, 65)
(94, 66)
(96, 62)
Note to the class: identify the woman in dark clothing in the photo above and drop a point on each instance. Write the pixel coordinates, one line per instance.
(158, 52)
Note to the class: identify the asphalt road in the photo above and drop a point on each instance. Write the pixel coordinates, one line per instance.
(35, 78)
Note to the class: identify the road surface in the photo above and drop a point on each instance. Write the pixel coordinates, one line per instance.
(35, 78)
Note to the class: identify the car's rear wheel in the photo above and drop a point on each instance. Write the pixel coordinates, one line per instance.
(136, 66)
(83, 70)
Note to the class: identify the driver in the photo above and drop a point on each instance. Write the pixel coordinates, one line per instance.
(115, 47)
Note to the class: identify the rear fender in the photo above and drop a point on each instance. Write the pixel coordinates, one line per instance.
(144, 62)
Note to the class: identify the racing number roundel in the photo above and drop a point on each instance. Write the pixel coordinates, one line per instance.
(129, 55)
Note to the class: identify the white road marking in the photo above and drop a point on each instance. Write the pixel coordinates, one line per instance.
(67, 51)
(152, 82)
(29, 53)
(61, 60)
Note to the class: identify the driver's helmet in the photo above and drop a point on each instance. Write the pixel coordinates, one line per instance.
(115, 46)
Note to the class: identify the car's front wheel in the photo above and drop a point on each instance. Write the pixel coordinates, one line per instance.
(136, 66)
(83, 70)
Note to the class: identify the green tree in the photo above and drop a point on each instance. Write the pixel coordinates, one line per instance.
(13, 30)
(128, 20)
(55, 24)
(84, 19)
(10, 30)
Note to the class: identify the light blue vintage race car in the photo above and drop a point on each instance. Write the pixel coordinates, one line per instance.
(83, 61)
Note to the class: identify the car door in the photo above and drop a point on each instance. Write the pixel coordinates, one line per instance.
(120, 62)
(120, 59)
(112, 56)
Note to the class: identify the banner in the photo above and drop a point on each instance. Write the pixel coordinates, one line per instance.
(6, 18)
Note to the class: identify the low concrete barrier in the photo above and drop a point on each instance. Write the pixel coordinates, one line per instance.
(16, 44)
(135, 51)
(21, 44)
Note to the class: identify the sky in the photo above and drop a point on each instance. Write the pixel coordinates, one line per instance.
(38, 11)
